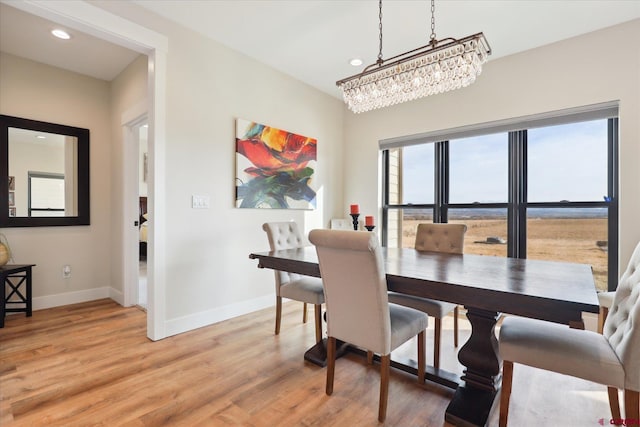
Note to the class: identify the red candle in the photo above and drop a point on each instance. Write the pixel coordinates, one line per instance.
(368, 220)
(355, 209)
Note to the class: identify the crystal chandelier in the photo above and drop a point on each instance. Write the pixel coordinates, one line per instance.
(440, 66)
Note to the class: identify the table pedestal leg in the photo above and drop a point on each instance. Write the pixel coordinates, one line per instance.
(472, 402)
(318, 353)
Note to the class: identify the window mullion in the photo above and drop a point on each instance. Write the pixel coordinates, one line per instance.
(517, 210)
(612, 214)
(385, 196)
(441, 180)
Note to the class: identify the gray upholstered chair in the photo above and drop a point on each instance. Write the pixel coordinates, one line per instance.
(286, 235)
(448, 238)
(358, 311)
(612, 359)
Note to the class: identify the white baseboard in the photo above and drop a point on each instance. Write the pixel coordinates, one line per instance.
(49, 301)
(173, 326)
(209, 317)
(117, 296)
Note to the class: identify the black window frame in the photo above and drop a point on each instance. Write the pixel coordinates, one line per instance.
(516, 205)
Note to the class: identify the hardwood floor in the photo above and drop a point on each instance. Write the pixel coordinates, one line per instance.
(91, 364)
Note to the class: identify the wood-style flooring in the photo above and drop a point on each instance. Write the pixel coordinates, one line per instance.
(91, 364)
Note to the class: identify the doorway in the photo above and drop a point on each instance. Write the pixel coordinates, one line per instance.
(103, 24)
(141, 132)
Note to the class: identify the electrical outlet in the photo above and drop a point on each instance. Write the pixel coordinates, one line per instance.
(66, 271)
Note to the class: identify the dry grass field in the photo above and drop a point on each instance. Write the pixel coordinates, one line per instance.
(554, 239)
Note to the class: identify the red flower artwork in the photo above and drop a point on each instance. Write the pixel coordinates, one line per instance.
(280, 171)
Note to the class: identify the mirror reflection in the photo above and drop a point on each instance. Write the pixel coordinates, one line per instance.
(42, 171)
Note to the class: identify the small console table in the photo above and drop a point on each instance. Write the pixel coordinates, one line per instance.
(12, 279)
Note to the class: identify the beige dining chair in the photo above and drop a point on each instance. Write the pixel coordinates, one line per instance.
(358, 311)
(447, 238)
(286, 235)
(611, 358)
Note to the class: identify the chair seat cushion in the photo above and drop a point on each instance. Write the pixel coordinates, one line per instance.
(558, 348)
(437, 309)
(405, 324)
(305, 289)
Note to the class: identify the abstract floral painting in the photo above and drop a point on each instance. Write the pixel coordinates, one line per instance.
(274, 168)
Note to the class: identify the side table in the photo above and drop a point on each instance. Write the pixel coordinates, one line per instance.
(12, 278)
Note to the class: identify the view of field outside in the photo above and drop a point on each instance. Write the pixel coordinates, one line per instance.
(560, 239)
(565, 163)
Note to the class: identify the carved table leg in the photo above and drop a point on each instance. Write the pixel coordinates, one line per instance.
(472, 401)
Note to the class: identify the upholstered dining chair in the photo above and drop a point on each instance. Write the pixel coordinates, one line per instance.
(611, 358)
(286, 235)
(448, 238)
(358, 311)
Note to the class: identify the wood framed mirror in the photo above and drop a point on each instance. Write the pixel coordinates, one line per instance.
(44, 174)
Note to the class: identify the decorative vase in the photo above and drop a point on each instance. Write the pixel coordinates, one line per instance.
(4, 255)
(5, 251)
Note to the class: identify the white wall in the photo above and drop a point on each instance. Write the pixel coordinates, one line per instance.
(593, 68)
(40, 92)
(127, 91)
(208, 275)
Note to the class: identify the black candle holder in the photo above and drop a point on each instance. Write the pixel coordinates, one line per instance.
(355, 221)
(369, 227)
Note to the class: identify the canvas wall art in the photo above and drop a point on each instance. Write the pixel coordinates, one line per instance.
(274, 168)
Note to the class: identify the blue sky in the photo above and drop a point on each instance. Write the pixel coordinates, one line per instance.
(565, 162)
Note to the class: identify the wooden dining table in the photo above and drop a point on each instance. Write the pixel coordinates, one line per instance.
(486, 286)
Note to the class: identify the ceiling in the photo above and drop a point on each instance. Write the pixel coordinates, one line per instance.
(29, 36)
(313, 40)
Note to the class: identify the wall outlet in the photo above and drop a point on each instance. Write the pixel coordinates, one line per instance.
(66, 271)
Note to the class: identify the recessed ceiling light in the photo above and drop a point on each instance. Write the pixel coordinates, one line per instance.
(61, 34)
(41, 137)
(356, 62)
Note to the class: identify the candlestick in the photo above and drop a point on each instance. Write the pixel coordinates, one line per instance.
(369, 227)
(355, 220)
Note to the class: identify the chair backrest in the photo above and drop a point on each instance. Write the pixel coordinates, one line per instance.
(622, 327)
(355, 288)
(448, 238)
(283, 235)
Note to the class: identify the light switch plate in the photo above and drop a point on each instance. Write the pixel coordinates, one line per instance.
(200, 201)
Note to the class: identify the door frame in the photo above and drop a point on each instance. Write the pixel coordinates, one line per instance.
(97, 22)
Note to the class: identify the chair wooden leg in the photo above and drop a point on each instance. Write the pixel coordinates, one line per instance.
(505, 394)
(602, 316)
(631, 406)
(421, 356)
(614, 403)
(455, 327)
(369, 357)
(304, 313)
(437, 332)
(331, 363)
(318, 315)
(278, 313)
(385, 362)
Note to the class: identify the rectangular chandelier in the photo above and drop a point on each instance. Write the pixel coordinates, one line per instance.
(438, 67)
